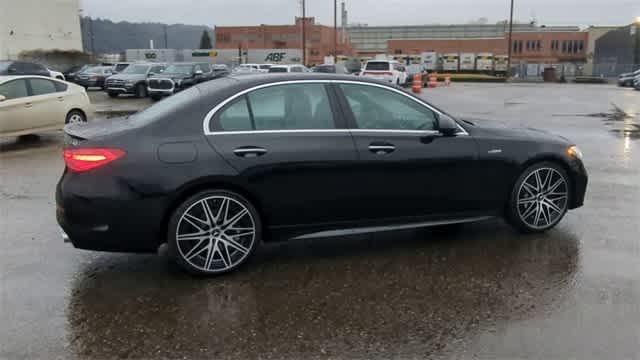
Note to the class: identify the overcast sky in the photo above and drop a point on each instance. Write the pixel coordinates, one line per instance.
(372, 12)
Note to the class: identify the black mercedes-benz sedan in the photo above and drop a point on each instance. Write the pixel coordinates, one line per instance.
(224, 165)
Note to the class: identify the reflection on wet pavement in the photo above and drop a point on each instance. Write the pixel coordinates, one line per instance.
(403, 293)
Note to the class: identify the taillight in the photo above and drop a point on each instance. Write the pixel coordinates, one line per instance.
(377, 73)
(81, 160)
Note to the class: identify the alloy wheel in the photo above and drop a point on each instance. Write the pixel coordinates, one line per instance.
(76, 118)
(215, 234)
(542, 198)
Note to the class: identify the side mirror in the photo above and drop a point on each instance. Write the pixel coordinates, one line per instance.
(198, 72)
(447, 126)
(2, 98)
(150, 74)
(12, 70)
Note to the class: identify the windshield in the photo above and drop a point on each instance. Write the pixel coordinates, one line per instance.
(179, 69)
(4, 66)
(136, 69)
(325, 69)
(93, 70)
(378, 65)
(277, 69)
(265, 67)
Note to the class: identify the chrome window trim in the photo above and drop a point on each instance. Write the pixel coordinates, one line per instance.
(207, 119)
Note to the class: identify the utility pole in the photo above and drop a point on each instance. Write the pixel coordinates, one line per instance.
(510, 42)
(92, 38)
(304, 36)
(335, 31)
(166, 38)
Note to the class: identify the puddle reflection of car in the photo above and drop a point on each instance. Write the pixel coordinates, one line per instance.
(636, 82)
(627, 79)
(33, 104)
(220, 167)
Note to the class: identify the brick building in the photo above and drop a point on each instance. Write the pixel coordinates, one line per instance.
(319, 38)
(543, 47)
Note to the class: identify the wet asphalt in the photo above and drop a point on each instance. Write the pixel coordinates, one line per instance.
(477, 291)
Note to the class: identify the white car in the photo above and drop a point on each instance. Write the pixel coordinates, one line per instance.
(293, 68)
(33, 104)
(386, 70)
(56, 74)
(247, 68)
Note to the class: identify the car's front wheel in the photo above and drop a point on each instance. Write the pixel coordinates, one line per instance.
(75, 117)
(540, 198)
(213, 232)
(141, 91)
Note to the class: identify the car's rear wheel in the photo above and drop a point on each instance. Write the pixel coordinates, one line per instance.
(540, 198)
(75, 117)
(113, 94)
(141, 91)
(213, 232)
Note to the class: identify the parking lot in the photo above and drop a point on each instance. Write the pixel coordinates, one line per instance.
(479, 291)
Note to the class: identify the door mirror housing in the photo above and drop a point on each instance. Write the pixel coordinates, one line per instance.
(447, 126)
(150, 74)
(198, 72)
(2, 98)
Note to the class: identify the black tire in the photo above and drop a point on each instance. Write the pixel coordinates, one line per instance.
(141, 91)
(113, 94)
(515, 214)
(176, 251)
(156, 97)
(75, 116)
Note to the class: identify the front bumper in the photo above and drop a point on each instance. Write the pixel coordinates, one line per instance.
(121, 89)
(580, 179)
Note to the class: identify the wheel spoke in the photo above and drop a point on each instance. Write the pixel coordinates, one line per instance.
(231, 242)
(538, 181)
(530, 210)
(222, 211)
(235, 218)
(527, 200)
(544, 215)
(538, 211)
(211, 251)
(552, 206)
(195, 251)
(195, 236)
(555, 185)
(530, 189)
(547, 179)
(224, 253)
(208, 213)
(241, 234)
(195, 221)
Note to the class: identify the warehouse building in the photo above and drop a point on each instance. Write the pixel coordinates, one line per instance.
(617, 51)
(319, 39)
(28, 25)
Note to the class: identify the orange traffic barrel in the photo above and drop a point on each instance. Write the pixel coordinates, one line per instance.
(416, 86)
(433, 80)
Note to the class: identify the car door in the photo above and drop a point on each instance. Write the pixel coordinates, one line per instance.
(289, 145)
(406, 167)
(14, 110)
(48, 104)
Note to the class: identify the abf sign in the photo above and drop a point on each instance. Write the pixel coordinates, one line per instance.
(276, 56)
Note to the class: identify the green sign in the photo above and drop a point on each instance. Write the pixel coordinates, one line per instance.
(204, 54)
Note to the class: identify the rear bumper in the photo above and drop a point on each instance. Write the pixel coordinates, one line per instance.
(108, 216)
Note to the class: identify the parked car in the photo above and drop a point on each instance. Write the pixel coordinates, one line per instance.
(94, 77)
(56, 74)
(412, 70)
(220, 70)
(386, 70)
(247, 68)
(177, 77)
(22, 68)
(218, 168)
(295, 68)
(331, 69)
(627, 78)
(636, 82)
(133, 79)
(71, 73)
(33, 104)
(120, 67)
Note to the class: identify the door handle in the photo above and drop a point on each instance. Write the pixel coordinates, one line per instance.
(60, 98)
(28, 105)
(381, 148)
(249, 151)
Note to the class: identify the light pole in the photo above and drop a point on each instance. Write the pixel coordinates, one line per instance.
(335, 30)
(304, 37)
(510, 44)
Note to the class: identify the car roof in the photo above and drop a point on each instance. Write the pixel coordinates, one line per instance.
(6, 78)
(256, 79)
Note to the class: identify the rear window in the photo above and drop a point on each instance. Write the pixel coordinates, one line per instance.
(265, 67)
(277, 69)
(378, 65)
(4, 66)
(325, 69)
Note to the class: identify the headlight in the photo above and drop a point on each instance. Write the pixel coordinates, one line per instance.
(128, 82)
(178, 82)
(574, 152)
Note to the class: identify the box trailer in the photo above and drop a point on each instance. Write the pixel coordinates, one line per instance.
(484, 62)
(467, 62)
(450, 62)
(431, 61)
(500, 63)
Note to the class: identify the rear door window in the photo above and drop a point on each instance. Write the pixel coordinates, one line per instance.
(42, 87)
(235, 117)
(14, 89)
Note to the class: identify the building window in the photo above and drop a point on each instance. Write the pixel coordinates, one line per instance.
(397, 51)
(538, 45)
(221, 37)
(581, 45)
(564, 46)
(517, 46)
